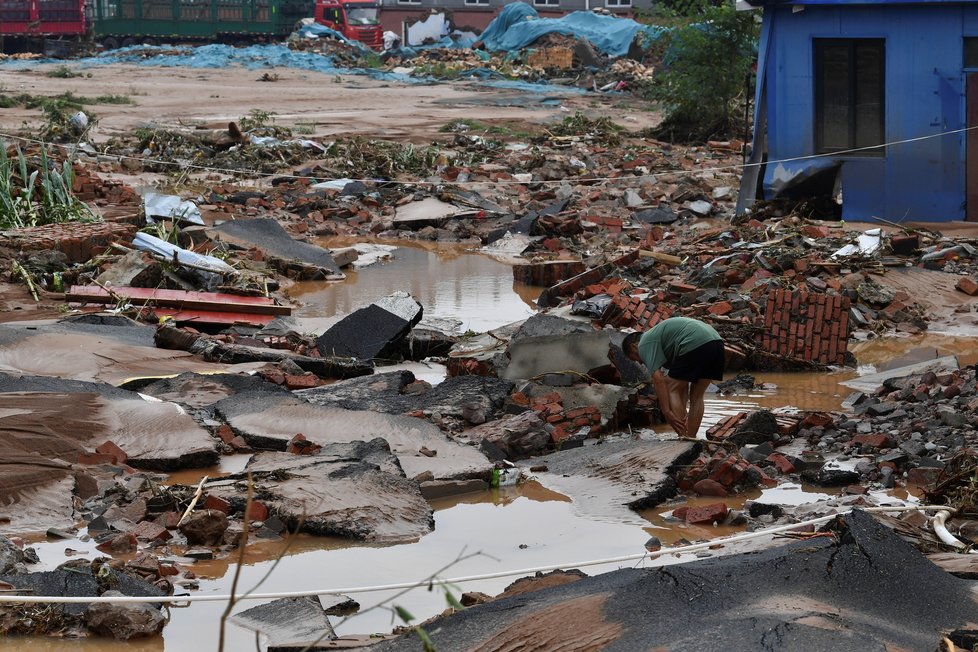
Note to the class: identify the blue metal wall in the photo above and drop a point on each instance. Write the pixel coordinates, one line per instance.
(919, 181)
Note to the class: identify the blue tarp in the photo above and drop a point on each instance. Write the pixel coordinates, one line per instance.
(518, 25)
(254, 57)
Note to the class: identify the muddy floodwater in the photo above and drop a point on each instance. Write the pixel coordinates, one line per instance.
(511, 528)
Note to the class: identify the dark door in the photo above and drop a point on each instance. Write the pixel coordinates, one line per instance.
(971, 149)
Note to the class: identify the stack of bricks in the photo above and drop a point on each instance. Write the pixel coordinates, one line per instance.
(788, 425)
(552, 58)
(88, 187)
(79, 241)
(551, 296)
(728, 470)
(810, 327)
(547, 273)
(628, 311)
(565, 422)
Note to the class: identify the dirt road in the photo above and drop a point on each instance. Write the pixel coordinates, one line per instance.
(328, 104)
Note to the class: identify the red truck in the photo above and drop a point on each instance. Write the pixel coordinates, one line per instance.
(26, 21)
(357, 20)
(60, 23)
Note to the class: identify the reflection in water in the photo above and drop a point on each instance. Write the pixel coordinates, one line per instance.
(451, 284)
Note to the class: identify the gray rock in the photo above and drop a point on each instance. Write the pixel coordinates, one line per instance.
(267, 421)
(205, 528)
(617, 472)
(760, 426)
(376, 331)
(951, 417)
(354, 490)
(293, 623)
(514, 437)
(124, 621)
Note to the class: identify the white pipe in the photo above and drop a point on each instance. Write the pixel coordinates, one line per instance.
(940, 518)
(27, 599)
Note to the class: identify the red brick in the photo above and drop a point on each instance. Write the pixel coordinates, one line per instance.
(712, 513)
(218, 503)
(876, 441)
(110, 448)
(815, 232)
(967, 285)
(150, 531)
(258, 511)
(781, 463)
(681, 288)
(922, 476)
(299, 445)
(305, 381)
(707, 487)
(721, 308)
(225, 433)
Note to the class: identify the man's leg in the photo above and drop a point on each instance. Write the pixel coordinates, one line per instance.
(696, 406)
(678, 395)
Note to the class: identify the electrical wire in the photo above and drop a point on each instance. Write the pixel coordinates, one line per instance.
(425, 583)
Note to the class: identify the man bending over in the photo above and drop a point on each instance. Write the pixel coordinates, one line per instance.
(692, 352)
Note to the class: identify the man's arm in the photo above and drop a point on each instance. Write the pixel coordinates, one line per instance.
(665, 403)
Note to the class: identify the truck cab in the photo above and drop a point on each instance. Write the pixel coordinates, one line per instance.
(358, 20)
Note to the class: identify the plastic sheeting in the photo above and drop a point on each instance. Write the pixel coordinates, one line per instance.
(253, 57)
(518, 25)
(152, 244)
(170, 207)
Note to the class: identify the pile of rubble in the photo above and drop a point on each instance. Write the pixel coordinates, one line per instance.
(618, 233)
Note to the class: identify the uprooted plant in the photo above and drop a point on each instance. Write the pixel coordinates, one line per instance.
(37, 191)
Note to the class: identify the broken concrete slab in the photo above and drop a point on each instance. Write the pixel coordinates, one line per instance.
(513, 437)
(35, 493)
(135, 269)
(124, 621)
(290, 622)
(78, 581)
(616, 472)
(355, 490)
(68, 419)
(201, 390)
(269, 236)
(828, 594)
(372, 332)
(94, 347)
(168, 337)
(267, 421)
(869, 383)
(531, 357)
(384, 393)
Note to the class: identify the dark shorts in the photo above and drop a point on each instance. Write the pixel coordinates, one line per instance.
(705, 361)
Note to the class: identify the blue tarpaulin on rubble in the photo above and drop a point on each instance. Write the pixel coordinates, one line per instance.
(518, 25)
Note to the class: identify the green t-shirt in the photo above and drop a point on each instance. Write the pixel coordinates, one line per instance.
(672, 338)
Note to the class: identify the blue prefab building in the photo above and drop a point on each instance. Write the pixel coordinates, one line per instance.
(873, 99)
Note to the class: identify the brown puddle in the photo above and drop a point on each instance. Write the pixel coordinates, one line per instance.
(510, 528)
(451, 283)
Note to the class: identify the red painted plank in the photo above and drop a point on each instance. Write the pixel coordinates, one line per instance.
(210, 301)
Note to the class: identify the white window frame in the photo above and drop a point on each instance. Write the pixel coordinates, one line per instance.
(409, 2)
(476, 3)
(617, 4)
(546, 3)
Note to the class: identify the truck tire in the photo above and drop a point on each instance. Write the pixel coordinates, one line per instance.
(128, 43)
(110, 43)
